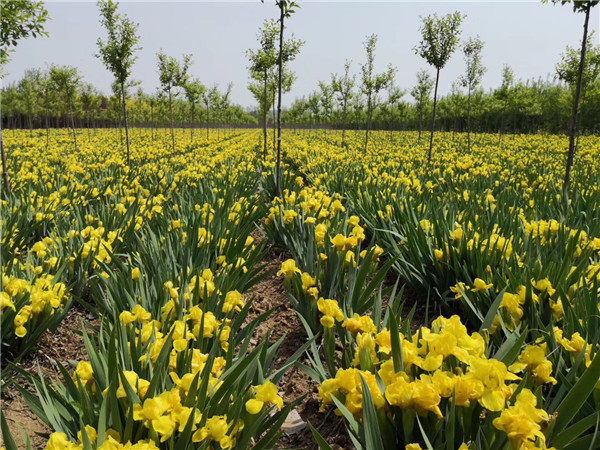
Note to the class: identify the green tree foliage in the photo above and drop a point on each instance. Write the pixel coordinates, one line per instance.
(503, 94)
(392, 108)
(90, 103)
(326, 91)
(314, 107)
(20, 19)
(567, 67)
(193, 90)
(65, 81)
(30, 89)
(91, 107)
(525, 106)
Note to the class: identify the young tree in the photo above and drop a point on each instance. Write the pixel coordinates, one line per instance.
(326, 102)
(286, 9)
(193, 90)
(88, 97)
(314, 106)
(287, 80)
(358, 115)
(47, 98)
(505, 94)
(264, 97)
(116, 107)
(421, 93)
(298, 113)
(117, 53)
(66, 80)
(453, 107)
(153, 103)
(29, 88)
(373, 83)
(210, 97)
(472, 76)
(172, 74)
(19, 19)
(221, 104)
(439, 37)
(584, 7)
(343, 89)
(262, 61)
(390, 107)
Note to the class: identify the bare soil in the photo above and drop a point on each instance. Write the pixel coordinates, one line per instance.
(268, 294)
(65, 344)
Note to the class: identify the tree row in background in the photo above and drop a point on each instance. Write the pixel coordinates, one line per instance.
(515, 106)
(540, 105)
(58, 97)
(47, 98)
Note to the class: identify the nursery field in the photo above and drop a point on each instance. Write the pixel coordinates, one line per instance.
(380, 302)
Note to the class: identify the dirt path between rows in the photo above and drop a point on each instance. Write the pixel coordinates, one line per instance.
(270, 293)
(65, 344)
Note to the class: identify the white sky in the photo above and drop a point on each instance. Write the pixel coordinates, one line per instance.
(527, 35)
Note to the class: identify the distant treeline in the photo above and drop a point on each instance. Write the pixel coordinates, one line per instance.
(526, 107)
(36, 101)
(530, 106)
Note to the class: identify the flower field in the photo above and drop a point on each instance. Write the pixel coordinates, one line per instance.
(445, 305)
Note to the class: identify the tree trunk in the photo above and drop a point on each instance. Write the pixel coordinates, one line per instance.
(265, 109)
(274, 124)
(369, 118)
(280, 69)
(4, 170)
(573, 122)
(420, 116)
(73, 125)
(469, 121)
(125, 119)
(501, 127)
(344, 125)
(207, 120)
(152, 124)
(437, 79)
(171, 116)
(192, 124)
(47, 133)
